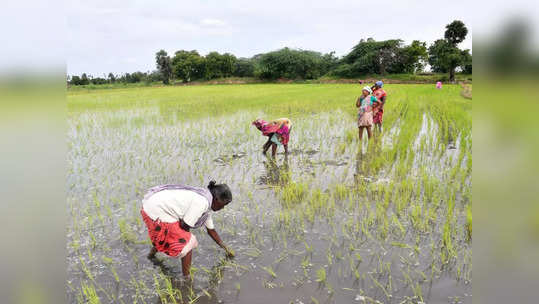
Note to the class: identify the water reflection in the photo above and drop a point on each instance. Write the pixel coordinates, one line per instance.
(363, 170)
(275, 174)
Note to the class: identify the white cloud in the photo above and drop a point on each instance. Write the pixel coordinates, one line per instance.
(213, 22)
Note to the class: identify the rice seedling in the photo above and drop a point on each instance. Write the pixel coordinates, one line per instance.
(469, 222)
(270, 271)
(403, 195)
(321, 276)
(88, 295)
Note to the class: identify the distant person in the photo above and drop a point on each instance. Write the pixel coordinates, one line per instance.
(378, 109)
(365, 119)
(439, 85)
(278, 133)
(171, 211)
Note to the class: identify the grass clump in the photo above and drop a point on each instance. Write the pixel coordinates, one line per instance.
(293, 193)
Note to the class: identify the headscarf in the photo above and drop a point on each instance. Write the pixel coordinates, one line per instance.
(366, 88)
(379, 83)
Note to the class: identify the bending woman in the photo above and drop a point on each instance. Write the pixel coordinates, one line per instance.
(171, 211)
(278, 133)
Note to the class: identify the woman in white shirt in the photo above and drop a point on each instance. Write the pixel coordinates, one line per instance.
(171, 211)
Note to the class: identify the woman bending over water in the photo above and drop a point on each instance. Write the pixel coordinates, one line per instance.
(171, 211)
(278, 133)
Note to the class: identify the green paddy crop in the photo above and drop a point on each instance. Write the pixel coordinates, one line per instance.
(336, 221)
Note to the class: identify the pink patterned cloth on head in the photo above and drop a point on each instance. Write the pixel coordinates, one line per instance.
(268, 128)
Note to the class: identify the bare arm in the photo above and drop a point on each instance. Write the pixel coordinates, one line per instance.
(358, 103)
(215, 236)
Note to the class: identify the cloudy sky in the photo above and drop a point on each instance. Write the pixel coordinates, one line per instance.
(123, 36)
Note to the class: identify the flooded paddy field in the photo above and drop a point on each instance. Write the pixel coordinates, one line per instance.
(337, 221)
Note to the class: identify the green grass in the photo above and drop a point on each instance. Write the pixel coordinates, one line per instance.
(274, 99)
(393, 78)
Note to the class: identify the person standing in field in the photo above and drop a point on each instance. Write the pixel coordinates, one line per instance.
(171, 211)
(378, 109)
(278, 133)
(365, 116)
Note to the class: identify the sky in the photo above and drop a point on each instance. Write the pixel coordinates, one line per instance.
(123, 36)
(98, 37)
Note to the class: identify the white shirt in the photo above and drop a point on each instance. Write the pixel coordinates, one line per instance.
(170, 206)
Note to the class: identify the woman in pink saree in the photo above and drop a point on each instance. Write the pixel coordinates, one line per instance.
(277, 131)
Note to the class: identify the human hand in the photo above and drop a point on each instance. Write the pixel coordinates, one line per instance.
(229, 252)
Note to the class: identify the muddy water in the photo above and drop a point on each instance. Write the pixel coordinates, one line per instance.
(115, 157)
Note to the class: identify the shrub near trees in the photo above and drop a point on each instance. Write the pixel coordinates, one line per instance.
(293, 64)
(164, 66)
(188, 65)
(244, 67)
(135, 77)
(382, 57)
(218, 66)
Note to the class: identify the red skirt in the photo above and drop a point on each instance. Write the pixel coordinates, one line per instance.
(378, 114)
(168, 238)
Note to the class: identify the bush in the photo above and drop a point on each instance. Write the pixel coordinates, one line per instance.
(293, 64)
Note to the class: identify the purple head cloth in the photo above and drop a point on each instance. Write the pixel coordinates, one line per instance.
(202, 191)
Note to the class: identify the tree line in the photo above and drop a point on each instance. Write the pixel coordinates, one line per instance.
(135, 77)
(367, 57)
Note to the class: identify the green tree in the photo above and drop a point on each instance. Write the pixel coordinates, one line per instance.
(444, 54)
(98, 80)
(444, 57)
(455, 32)
(436, 56)
(370, 57)
(228, 62)
(164, 66)
(75, 80)
(244, 67)
(290, 64)
(329, 62)
(466, 65)
(411, 58)
(188, 65)
(84, 79)
(154, 76)
(213, 66)
(112, 78)
(218, 65)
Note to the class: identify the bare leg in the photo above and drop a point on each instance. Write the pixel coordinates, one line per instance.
(369, 132)
(152, 253)
(186, 264)
(361, 133)
(266, 145)
(273, 149)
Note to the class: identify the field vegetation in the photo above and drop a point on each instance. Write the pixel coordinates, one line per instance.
(337, 221)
